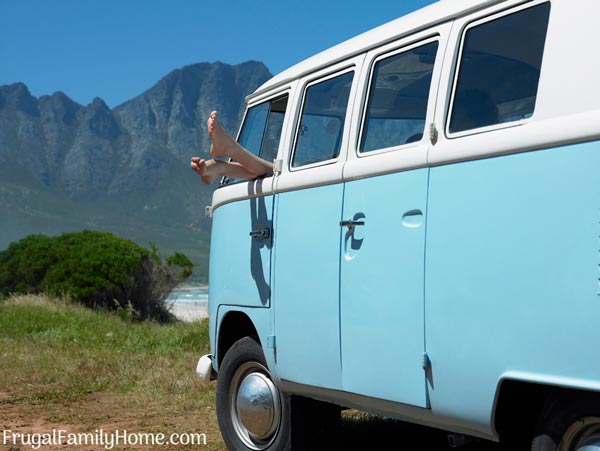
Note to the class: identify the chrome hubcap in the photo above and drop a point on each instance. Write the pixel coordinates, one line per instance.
(255, 406)
(591, 443)
(583, 435)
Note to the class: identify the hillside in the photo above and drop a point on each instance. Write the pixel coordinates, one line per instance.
(66, 166)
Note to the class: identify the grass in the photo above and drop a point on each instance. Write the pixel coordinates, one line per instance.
(63, 366)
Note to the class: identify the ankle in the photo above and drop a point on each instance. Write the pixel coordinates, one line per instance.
(216, 167)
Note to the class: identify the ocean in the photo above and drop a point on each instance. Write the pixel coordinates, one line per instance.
(189, 304)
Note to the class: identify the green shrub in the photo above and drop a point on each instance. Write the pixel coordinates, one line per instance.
(180, 260)
(97, 269)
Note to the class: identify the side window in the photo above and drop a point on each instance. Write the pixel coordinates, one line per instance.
(499, 70)
(319, 134)
(262, 127)
(398, 96)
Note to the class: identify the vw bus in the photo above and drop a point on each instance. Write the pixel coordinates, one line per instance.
(427, 247)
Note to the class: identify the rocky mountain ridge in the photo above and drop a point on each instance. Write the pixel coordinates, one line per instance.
(105, 168)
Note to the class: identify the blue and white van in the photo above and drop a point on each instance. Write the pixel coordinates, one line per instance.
(428, 247)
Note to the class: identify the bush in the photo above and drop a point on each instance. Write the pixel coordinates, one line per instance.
(97, 269)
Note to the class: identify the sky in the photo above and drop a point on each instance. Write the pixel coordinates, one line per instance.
(117, 49)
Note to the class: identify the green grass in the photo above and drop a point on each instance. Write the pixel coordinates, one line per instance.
(62, 363)
(61, 350)
(58, 323)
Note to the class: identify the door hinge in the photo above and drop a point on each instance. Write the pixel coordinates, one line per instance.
(208, 211)
(271, 341)
(426, 363)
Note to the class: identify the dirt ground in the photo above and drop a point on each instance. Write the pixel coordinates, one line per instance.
(109, 413)
(96, 414)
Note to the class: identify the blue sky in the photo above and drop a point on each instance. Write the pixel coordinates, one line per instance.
(116, 49)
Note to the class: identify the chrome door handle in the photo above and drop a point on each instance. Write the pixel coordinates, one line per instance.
(351, 224)
(261, 233)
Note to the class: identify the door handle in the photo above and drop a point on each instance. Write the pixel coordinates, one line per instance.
(261, 233)
(351, 224)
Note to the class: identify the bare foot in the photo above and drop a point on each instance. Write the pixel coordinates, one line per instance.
(205, 169)
(222, 144)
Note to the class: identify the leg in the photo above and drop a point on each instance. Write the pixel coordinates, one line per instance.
(225, 146)
(209, 170)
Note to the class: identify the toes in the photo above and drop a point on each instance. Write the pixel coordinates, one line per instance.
(212, 121)
(197, 166)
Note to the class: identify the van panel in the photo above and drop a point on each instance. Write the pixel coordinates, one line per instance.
(382, 262)
(306, 285)
(240, 266)
(512, 273)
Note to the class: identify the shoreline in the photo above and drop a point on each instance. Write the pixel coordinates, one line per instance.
(189, 307)
(185, 287)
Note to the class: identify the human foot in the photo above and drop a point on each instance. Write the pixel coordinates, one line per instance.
(222, 144)
(205, 169)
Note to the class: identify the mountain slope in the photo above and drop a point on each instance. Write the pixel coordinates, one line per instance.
(65, 166)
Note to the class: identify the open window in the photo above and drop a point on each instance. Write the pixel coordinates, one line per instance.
(261, 131)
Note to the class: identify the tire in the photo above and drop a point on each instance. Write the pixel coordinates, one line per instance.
(568, 425)
(297, 423)
(244, 367)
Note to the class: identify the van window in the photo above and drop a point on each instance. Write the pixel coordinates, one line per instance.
(398, 99)
(319, 134)
(500, 69)
(262, 127)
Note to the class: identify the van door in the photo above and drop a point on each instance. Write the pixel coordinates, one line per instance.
(307, 234)
(383, 226)
(240, 257)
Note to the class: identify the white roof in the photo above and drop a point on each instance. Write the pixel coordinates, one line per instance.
(421, 19)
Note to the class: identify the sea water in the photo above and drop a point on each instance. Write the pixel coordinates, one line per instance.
(189, 304)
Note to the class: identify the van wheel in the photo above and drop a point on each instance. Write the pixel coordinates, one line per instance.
(568, 426)
(253, 414)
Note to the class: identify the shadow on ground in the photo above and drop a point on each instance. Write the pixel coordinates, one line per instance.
(365, 432)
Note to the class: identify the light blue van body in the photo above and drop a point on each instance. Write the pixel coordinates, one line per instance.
(475, 266)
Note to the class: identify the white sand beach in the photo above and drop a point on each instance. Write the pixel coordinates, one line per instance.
(189, 303)
(189, 312)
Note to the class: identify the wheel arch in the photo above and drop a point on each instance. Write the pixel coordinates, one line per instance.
(520, 403)
(234, 326)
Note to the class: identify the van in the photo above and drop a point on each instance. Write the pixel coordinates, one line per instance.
(428, 246)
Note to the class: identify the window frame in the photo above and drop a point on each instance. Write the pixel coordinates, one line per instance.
(298, 120)
(270, 97)
(369, 84)
(458, 64)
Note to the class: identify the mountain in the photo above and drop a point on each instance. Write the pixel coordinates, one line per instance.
(65, 166)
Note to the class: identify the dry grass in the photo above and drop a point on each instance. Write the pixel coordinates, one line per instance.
(63, 366)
